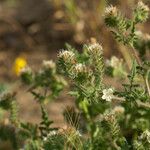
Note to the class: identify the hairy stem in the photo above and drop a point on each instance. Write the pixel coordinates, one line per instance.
(140, 64)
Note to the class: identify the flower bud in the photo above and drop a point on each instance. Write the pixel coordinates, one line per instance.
(80, 72)
(118, 110)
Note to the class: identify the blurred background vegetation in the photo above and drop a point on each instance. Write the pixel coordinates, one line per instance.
(37, 29)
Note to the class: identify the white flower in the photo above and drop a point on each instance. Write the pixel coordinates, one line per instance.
(146, 135)
(114, 62)
(107, 94)
(141, 5)
(111, 11)
(95, 49)
(48, 64)
(66, 55)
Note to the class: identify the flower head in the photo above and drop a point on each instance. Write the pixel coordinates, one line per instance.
(95, 49)
(26, 75)
(112, 16)
(80, 68)
(25, 70)
(142, 6)
(48, 64)
(67, 56)
(111, 11)
(109, 117)
(115, 62)
(107, 94)
(81, 72)
(141, 12)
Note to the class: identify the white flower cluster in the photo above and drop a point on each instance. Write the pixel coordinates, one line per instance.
(142, 6)
(48, 64)
(108, 94)
(145, 135)
(111, 11)
(80, 68)
(67, 56)
(95, 49)
(115, 62)
(109, 117)
(26, 70)
(52, 133)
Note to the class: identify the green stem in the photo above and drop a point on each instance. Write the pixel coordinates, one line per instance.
(147, 83)
(90, 123)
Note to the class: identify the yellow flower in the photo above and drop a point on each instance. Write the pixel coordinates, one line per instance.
(19, 64)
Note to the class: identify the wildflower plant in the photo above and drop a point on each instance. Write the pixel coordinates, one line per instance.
(44, 84)
(105, 117)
